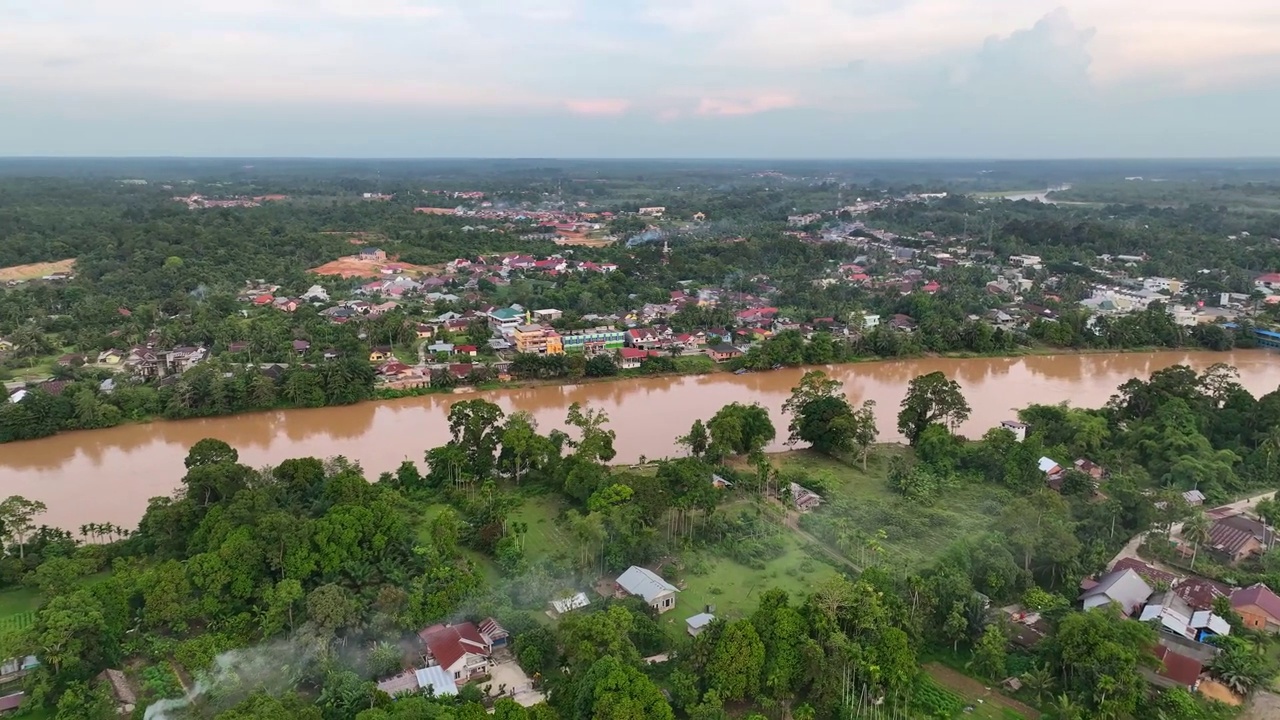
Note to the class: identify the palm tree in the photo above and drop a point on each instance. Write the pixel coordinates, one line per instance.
(1064, 708)
(1196, 531)
(1038, 680)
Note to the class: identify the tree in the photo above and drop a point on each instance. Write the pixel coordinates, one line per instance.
(210, 451)
(612, 690)
(738, 429)
(16, 515)
(697, 440)
(989, 653)
(737, 662)
(823, 417)
(601, 366)
(476, 428)
(930, 399)
(1196, 531)
(523, 449)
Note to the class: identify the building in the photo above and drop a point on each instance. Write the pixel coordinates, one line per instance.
(696, 624)
(723, 352)
(657, 211)
(417, 681)
(1018, 429)
(506, 318)
(1235, 538)
(1125, 588)
(568, 604)
(593, 342)
(1177, 617)
(804, 499)
(1258, 607)
(1194, 498)
(631, 358)
(459, 650)
(1176, 670)
(1268, 283)
(641, 582)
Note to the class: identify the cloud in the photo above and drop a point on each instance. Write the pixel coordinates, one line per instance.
(598, 106)
(743, 106)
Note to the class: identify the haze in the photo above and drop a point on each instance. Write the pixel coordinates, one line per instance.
(640, 78)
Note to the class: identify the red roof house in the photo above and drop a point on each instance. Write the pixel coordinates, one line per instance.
(1258, 607)
(459, 649)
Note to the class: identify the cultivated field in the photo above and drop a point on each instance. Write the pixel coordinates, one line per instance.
(35, 271)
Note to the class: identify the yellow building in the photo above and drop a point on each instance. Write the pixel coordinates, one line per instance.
(555, 344)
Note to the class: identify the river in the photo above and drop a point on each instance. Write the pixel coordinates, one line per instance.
(108, 475)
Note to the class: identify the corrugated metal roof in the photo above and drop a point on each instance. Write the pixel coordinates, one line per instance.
(645, 583)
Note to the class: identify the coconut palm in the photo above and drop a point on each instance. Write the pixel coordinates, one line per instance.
(1064, 708)
(1038, 680)
(1196, 531)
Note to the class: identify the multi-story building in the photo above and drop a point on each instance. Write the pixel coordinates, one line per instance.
(594, 341)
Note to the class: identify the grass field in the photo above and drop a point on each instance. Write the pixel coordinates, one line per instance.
(859, 504)
(544, 538)
(735, 589)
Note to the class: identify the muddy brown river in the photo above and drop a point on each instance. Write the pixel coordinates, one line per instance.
(108, 475)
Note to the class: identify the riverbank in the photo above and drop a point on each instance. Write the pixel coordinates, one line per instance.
(108, 475)
(383, 394)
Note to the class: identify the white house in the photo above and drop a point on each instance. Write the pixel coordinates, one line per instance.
(640, 582)
(696, 624)
(315, 293)
(870, 321)
(1018, 429)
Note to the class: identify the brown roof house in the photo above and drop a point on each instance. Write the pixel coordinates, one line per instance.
(1177, 670)
(804, 498)
(1258, 607)
(1234, 538)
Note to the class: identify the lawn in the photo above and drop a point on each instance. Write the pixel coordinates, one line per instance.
(860, 504)
(735, 589)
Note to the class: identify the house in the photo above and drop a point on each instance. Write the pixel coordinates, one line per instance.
(568, 604)
(508, 317)
(1200, 593)
(803, 498)
(18, 396)
(1176, 616)
(460, 650)
(1090, 468)
(902, 323)
(696, 624)
(468, 350)
(108, 386)
(644, 583)
(723, 352)
(315, 293)
(493, 633)
(372, 255)
(1176, 670)
(15, 668)
(1234, 538)
(1194, 498)
(1018, 429)
(121, 691)
(424, 331)
(301, 346)
(631, 358)
(720, 483)
(1050, 468)
(1258, 607)
(548, 315)
(12, 702)
(436, 348)
(416, 681)
(71, 359)
(382, 353)
(110, 357)
(1125, 588)
(1267, 283)
(656, 211)
(1155, 577)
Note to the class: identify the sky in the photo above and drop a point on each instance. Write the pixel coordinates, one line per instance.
(640, 78)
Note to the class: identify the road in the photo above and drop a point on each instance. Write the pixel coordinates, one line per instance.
(1130, 548)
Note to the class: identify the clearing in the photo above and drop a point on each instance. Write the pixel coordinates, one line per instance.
(17, 608)
(544, 538)
(734, 589)
(35, 271)
(581, 239)
(987, 703)
(860, 504)
(352, 266)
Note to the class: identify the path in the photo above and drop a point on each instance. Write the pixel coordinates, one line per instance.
(422, 353)
(792, 520)
(1130, 548)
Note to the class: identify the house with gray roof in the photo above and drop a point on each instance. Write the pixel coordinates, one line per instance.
(641, 582)
(1125, 588)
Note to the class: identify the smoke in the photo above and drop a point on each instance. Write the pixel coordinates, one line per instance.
(648, 236)
(275, 668)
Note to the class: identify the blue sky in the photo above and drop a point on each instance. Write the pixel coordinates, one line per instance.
(640, 78)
